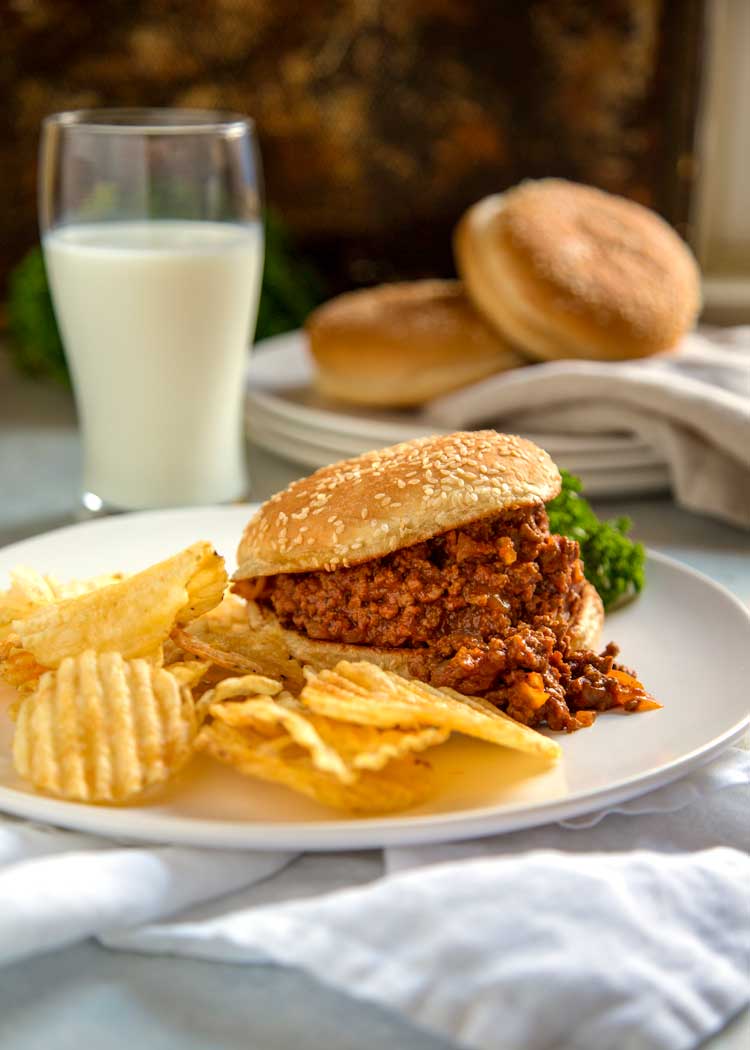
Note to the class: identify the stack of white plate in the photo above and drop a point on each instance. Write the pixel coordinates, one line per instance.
(287, 416)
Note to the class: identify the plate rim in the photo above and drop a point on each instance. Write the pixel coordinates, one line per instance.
(598, 482)
(360, 832)
(324, 420)
(258, 422)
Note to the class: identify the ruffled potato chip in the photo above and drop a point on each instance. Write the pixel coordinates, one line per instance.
(231, 688)
(30, 590)
(265, 711)
(366, 694)
(404, 783)
(248, 685)
(357, 746)
(371, 747)
(133, 617)
(103, 729)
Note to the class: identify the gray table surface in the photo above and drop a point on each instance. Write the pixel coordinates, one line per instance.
(89, 996)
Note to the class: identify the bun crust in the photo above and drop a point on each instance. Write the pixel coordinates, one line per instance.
(564, 270)
(403, 344)
(584, 633)
(379, 502)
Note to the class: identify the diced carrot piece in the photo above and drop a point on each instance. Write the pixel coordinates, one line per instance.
(649, 705)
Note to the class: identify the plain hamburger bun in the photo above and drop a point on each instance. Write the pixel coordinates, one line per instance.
(403, 344)
(584, 633)
(364, 508)
(564, 270)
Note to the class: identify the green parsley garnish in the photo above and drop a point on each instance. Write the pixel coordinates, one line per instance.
(613, 562)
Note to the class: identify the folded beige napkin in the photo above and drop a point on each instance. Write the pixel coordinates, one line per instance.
(692, 406)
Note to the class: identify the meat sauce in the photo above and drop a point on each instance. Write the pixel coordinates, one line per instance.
(485, 609)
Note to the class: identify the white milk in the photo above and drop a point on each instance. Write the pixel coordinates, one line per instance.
(156, 319)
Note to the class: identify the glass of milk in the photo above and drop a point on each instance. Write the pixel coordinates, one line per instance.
(153, 244)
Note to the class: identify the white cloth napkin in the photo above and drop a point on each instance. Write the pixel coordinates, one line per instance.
(692, 406)
(628, 927)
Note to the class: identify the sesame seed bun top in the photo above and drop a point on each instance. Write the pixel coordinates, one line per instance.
(364, 508)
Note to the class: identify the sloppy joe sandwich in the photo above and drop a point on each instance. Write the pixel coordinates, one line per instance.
(402, 344)
(565, 270)
(434, 559)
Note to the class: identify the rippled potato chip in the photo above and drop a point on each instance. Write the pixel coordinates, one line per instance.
(133, 617)
(247, 685)
(263, 711)
(231, 688)
(102, 729)
(366, 694)
(281, 760)
(355, 747)
(358, 747)
(371, 747)
(30, 590)
(226, 638)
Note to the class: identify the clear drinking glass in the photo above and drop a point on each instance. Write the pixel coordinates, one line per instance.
(153, 242)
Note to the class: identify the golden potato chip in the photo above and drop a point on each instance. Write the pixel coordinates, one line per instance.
(74, 588)
(188, 672)
(205, 587)
(337, 747)
(405, 782)
(18, 667)
(230, 611)
(249, 684)
(231, 688)
(222, 656)
(133, 617)
(371, 747)
(364, 693)
(30, 590)
(264, 710)
(102, 729)
(240, 648)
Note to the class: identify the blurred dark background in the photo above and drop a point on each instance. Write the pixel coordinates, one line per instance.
(379, 120)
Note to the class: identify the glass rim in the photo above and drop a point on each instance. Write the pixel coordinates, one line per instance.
(145, 120)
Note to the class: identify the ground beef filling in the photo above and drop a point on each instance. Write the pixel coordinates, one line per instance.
(460, 587)
(485, 609)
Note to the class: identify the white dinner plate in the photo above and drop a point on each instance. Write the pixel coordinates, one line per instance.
(600, 478)
(688, 638)
(280, 390)
(611, 454)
